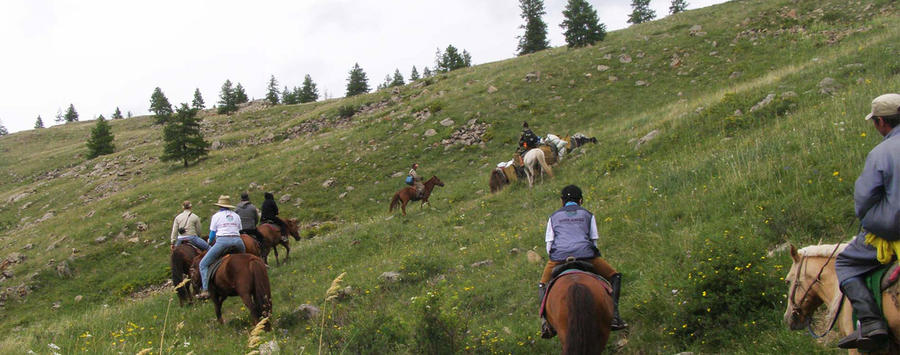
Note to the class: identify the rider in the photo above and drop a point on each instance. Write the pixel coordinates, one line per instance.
(225, 226)
(572, 232)
(876, 195)
(270, 214)
(186, 227)
(528, 140)
(249, 217)
(417, 181)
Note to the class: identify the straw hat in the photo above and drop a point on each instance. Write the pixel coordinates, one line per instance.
(224, 201)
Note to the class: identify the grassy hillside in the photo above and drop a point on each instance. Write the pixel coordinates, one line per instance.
(689, 217)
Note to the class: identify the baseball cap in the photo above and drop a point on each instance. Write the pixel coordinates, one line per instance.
(885, 105)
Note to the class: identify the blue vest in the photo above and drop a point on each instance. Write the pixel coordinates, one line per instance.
(572, 234)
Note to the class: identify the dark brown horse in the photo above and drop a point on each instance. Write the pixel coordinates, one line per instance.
(407, 194)
(181, 259)
(242, 275)
(272, 238)
(581, 310)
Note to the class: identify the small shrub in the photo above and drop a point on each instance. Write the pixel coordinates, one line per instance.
(346, 111)
(435, 106)
(378, 335)
(417, 268)
(439, 330)
(320, 229)
(613, 164)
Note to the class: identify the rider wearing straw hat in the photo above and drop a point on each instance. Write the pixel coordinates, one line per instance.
(224, 234)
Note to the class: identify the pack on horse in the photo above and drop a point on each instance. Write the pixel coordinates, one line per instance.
(242, 275)
(272, 238)
(534, 159)
(812, 282)
(579, 307)
(406, 194)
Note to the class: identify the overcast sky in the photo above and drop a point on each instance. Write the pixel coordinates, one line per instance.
(100, 54)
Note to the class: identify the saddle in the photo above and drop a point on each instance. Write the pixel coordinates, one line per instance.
(215, 266)
(572, 266)
(890, 276)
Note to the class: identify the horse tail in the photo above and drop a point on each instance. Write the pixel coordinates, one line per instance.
(395, 201)
(178, 271)
(543, 161)
(261, 290)
(584, 321)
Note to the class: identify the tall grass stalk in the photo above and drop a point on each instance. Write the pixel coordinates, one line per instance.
(331, 294)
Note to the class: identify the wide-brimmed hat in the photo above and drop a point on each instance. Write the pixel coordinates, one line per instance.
(885, 105)
(224, 201)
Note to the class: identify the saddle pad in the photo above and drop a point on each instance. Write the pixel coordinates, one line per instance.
(603, 282)
(891, 276)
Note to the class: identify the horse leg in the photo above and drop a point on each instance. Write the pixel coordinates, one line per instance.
(275, 249)
(245, 291)
(287, 250)
(403, 206)
(217, 301)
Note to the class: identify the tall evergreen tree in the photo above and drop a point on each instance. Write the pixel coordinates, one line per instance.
(182, 137)
(160, 106)
(197, 102)
(386, 83)
(535, 37)
(39, 123)
(272, 93)
(398, 79)
(581, 25)
(71, 115)
(101, 140)
(677, 6)
(240, 96)
(414, 75)
(308, 92)
(288, 97)
(227, 102)
(426, 73)
(59, 116)
(128, 115)
(357, 83)
(3, 130)
(117, 114)
(641, 12)
(451, 59)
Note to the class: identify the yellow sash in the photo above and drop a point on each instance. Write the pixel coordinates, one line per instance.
(886, 249)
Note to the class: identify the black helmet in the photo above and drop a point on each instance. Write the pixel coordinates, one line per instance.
(245, 196)
(268, 196)
(571, 193)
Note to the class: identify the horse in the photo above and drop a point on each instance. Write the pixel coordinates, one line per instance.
(180, 262)
(580, 309)
(533, 158)
(272, 238)
(406, 194)
(242, 275)
(812, 282)
(251, 246)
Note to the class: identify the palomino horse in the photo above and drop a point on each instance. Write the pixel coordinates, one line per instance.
(580, 309)
(242, 275)
(812, 281)
(407, 194)
(272, 238)
(180, 262)
(533, 159)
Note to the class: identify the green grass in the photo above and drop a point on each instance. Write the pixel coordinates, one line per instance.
(713, 192)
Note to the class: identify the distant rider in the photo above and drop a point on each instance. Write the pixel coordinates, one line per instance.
(417, 181)
(224, 234)
(249, 217)
(186, 227)
(572, 232)
(270, 214)
(528, 140)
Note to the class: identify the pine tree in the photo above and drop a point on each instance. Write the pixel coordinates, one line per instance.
(240, 96)
(183, 138)
(101, 141)
(426, 73)
(641, 12)
(128, 115)
(308, 92)
(677, 6)
(386, 83)
(160, 106)
(39, 123)
(581, 25)
(59, 116)
(272, 94)
(451, 59)
(288, 97)
(227, 102)
(198, 103)
(414, 75)
(357, 83)
(3, 130)
(535, 37)
(71, 115)
(117, 114)
(398, 79)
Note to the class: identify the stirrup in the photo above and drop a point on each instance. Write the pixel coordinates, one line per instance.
(618, 324)
(547, 331)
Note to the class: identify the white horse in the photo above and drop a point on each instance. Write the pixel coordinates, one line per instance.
(532, 158)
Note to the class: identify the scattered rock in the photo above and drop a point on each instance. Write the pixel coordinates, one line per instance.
(350, 188)
(78, 298)
(491, 89)
(90, 214)
(269, 348)
(397, 174)
(63, 270)
(28, 246)
(602, 68)
(128, 215)
(134, 240)
(829, 86)
(641, 83)
(100, 239)
(141, 226)
(16, 198)
(533, 257)
(613, 78)
(430, 132)
(216, 145)
(253, 185)
(735, 75)
(343, 194)
(56, 305)
(514, 251)
(788, 95)
(588, 75)
(483, 263)
(648, 137)
(624, 58)
(447, 122)
(765, 102)
(307, 311)
(390, 276)
(45, 217)
(469, 134)
(697, 30)
(328, 183)
(285, 198)
(533, 76)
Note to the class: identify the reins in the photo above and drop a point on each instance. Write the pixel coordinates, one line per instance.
(794, 304)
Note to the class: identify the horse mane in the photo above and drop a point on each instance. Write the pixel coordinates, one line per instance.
(822, 250)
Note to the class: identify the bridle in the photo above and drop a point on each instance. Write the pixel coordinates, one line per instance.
(795, 306)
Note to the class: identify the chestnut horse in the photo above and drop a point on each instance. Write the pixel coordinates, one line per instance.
(407, 194)
(580, 309)
(242, 275)
(272, 238)
(812, 282)
(180, 262)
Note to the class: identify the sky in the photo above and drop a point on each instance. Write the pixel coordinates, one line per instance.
(101, 54)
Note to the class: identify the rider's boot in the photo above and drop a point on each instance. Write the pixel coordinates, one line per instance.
(616, 283)
(547, 331)
(203, 295)
(872, 333)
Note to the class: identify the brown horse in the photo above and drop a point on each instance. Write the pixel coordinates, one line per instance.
(812, 282)
(580, 309)
(180, 262)
(250, 245)
(407, 194)
(242, 275)
(272, 238)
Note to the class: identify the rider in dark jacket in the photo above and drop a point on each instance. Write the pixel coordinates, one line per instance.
(528, 140)
(270, 213)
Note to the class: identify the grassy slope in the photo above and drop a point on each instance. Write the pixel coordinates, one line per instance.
(711, 194)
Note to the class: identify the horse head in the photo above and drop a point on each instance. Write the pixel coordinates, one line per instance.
(518, 160)
(804, 288)
(292, 228)
(434, 179)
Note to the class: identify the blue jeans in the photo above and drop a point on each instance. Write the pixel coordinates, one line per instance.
(223, 244)
(193, 239)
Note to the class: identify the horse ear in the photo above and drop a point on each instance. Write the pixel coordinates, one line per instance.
(794, 254)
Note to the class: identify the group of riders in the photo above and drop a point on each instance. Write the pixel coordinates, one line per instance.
(225, 229)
